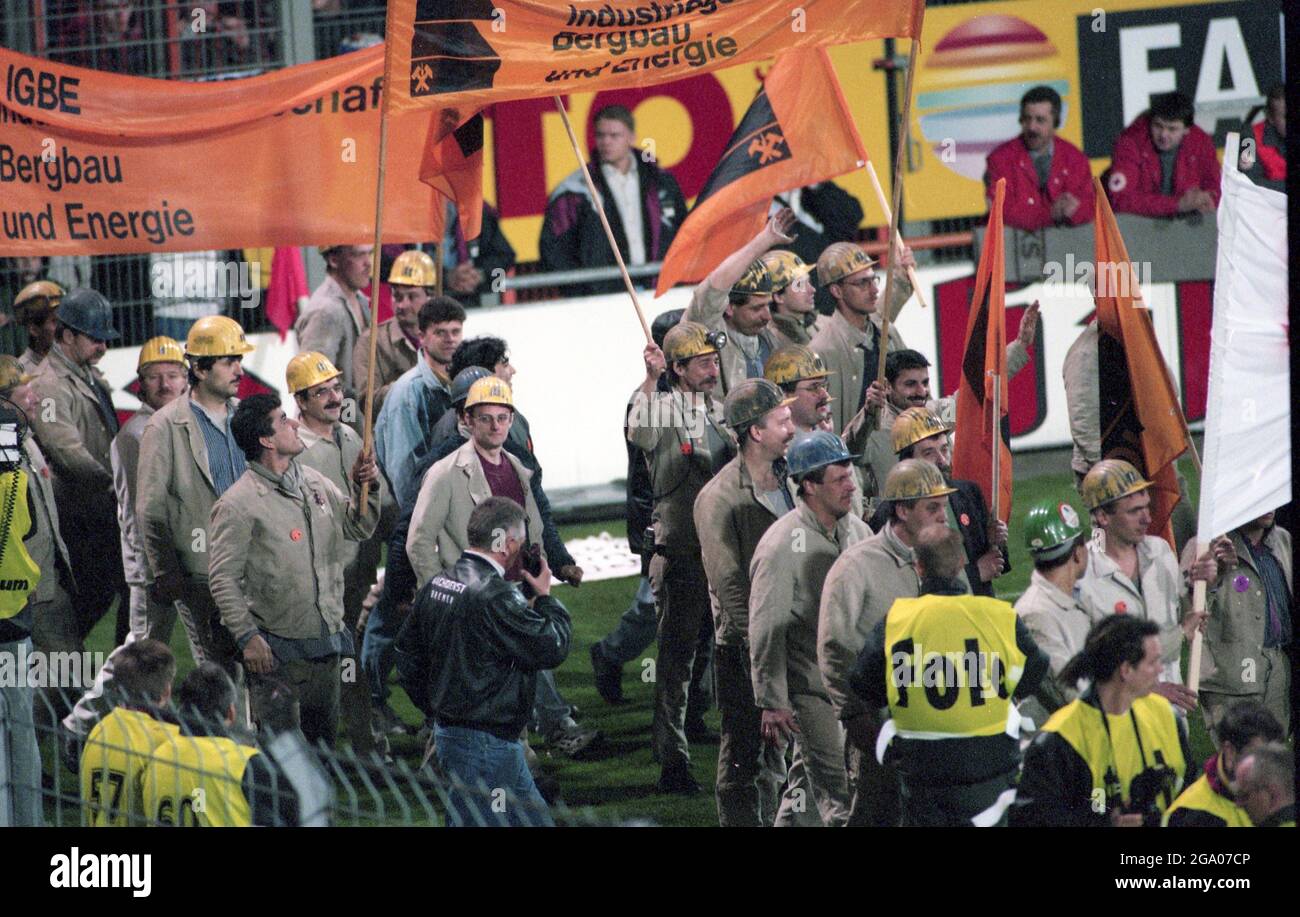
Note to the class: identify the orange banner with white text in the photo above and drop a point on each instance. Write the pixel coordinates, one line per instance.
(99, 163)
(465, 56)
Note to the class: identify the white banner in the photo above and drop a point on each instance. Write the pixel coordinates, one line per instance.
(1247, 456)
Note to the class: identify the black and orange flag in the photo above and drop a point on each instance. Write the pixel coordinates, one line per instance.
(796, 132)
(984, 375)
(1141, 418)
(453, 166)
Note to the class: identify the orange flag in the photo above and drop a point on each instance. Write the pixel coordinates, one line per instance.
(1141, 418)
(453, 166)
(467, 55)
(796, 132)
(984, 374)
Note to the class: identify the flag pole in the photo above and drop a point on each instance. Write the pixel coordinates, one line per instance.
(996, 489)
(600, 212)
(438, 264)
(368, 439)
(893, 222)
(889, 218)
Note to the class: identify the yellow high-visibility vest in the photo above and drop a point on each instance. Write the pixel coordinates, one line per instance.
(951, 666)
(19, 574)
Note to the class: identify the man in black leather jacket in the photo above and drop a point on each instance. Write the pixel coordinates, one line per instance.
(469, 655)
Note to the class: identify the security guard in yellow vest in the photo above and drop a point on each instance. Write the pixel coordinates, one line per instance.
(120, 745)
(1211, 802)
(949, 665)
(1266, 785)
(1116, 755)
(202, 778)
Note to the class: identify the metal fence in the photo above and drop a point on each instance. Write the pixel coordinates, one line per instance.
(132, 770)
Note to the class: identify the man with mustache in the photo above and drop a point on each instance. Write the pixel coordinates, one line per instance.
(731, 514)
(801, 374)
(189, 458)
(920, 433)
(1049, 181)
(683, 437)
(736, 299)
(332, 449)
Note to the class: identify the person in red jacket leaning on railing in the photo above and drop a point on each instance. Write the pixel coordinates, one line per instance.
(1049, 182)
(1163, 164)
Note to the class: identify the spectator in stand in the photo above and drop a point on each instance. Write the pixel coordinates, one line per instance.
(642, 202)
(100, 34)
(1164, 164)
(1270, 139)
(1049, 182)
(826, 214)
(475, 266)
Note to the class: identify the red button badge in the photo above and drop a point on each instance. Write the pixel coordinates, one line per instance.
(1121, 608)
(295, 535)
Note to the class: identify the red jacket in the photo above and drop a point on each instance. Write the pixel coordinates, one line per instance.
(1272, 159)
(1025, 206)
(1133, 180)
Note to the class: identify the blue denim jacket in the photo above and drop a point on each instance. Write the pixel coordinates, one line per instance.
(404, 430)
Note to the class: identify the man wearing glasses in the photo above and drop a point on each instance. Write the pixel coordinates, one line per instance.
(850, 342)
(332, 449)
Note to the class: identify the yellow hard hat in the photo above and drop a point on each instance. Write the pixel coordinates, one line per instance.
(914, 425)
(691, 339)
(160, 350)
(490, 390)
(839, 260)
(11, 373)
(756, 281)
(1110, 480)
(37, 296)
(784, 268)
(413, 268)
(307, 369)
(915, 479)
(794, 363)
(216, 336)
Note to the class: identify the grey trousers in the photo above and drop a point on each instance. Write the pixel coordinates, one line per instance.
(817, 790)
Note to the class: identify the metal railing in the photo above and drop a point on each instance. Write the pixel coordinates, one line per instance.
(197, 775)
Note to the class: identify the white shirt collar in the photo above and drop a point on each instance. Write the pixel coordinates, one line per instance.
(501, 571)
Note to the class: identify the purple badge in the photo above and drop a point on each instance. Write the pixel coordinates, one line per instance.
(1241, 582)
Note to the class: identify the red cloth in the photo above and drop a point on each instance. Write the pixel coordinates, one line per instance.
(1133, 180)
(1028, 207)
(287, 289)
(1271, 158)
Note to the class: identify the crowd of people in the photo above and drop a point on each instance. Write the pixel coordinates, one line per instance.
(809, 563)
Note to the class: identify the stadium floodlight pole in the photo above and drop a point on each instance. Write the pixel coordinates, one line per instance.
(600, 212)
(889, 218)
(368, 440)
(894, 248)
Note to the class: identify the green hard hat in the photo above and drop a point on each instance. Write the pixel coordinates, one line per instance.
(1051, 528)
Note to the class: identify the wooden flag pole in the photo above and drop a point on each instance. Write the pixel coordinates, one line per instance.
(438, 263)
(893, 224)
(889, 218)
(996, 494)
(1198, 607)
(600, 212)
(368, 439)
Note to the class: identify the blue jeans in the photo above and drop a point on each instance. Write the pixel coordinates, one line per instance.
(21, 779)
(488, 781)
(377, 656)
(636, 630)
